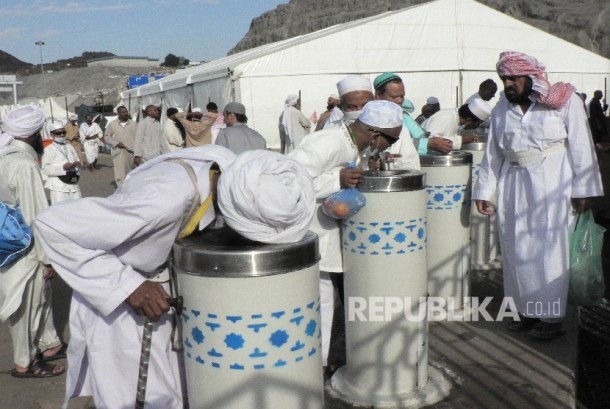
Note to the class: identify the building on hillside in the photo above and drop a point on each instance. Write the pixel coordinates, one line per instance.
(116, 61)
(8, 83)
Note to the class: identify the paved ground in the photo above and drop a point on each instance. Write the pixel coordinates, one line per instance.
(489, 368)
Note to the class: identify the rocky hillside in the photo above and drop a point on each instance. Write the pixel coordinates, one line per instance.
(12, 65)
(583, 22)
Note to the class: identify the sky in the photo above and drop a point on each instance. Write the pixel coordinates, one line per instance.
(195, 29)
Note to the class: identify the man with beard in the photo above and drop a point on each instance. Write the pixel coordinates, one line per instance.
(150, 141)
(331, 103)
(24, 297)
(541, 161)
(91, 135)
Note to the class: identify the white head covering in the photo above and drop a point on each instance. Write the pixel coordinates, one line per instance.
(334, 96)
(291, 101)
(432, 101)
(22, 121)
(480, 108)
(73, 117)
(354, 83)
(267, 197)
(381, 114)
(53, 126)
(196, 109)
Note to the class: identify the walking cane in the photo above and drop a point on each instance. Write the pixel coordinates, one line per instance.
(177, 303)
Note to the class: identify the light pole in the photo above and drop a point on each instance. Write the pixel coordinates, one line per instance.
(40, 44)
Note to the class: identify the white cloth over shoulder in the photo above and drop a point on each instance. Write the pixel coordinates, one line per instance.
(267, 197)
(221, 155)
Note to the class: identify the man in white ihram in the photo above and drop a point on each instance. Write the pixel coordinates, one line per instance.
(293, 124)
(114, 258)
(325, 154)
(540, 159)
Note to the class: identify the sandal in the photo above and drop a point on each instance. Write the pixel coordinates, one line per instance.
(38, 369)
(523, 324)
(546, 331)
(60, 354)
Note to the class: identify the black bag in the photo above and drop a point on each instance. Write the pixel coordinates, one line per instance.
(71, 177)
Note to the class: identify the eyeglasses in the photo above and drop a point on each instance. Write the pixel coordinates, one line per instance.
(59, 133)
(389, 139)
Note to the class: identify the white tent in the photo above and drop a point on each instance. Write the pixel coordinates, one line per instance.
(443, 48)
(53, 111)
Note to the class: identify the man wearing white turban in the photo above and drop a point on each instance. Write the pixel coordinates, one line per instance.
(114, 257)
(293, 124)
(325, 155)
(451, 123)
(24, 301)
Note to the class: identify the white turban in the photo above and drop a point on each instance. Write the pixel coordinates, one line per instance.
(291, 100)
(480, 108)
(267, 197)
(22, 121)
(286, 118)
(354, 83)
(53, 126)
(73, 117)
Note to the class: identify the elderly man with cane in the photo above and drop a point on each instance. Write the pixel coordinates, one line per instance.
(116, 259)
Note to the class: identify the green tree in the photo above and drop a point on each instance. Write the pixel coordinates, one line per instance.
(171, 60)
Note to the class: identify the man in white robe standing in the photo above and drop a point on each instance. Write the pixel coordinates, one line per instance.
(25, 299)
(150, 141)
(121, 135)
(541, 161)
(113, 252)
(60, 167)
(171, 132)
(91, 137)
(293, 124)
(326, 155)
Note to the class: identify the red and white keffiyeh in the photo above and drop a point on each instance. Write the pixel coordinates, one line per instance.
(516, 64)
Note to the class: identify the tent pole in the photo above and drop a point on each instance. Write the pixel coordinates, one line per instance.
(51, 106)
(66, 102)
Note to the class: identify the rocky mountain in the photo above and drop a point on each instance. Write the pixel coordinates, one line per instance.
(12, 65)
(582, 22)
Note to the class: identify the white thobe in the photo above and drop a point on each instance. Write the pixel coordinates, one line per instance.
(91, 146)
(324, 154)
(53, 160)
(150, 141)
(101, 256)
(404, 146)
(122, 158)
(298, 128)
(22, 288)
(534, 203)
(172, 135)
(445, 124)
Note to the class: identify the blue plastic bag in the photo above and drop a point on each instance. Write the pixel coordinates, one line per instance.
(343, 204)
(586, 274)
(15, 235)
